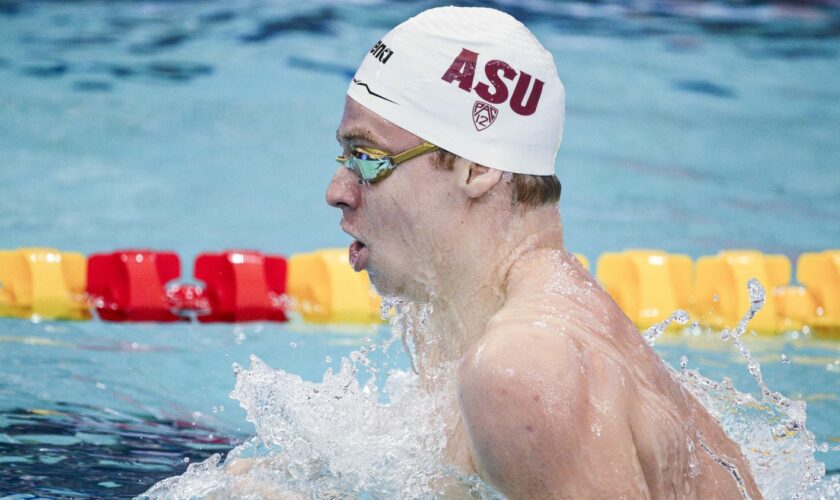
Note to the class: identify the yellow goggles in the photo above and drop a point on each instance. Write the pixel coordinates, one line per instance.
(373, 165)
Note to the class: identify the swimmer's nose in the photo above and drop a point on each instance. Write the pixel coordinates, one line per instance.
(343, 191)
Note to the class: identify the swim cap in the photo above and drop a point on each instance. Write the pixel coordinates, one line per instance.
(474, 81)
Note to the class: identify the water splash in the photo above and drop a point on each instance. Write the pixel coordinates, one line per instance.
(344, 435)
(654, 332)
(771, 430)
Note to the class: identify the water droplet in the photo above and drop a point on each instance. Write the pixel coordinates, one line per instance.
(715, 298)
(785, 359)
(293, 345)
(327, 359)
(237, 368)
(186, 460)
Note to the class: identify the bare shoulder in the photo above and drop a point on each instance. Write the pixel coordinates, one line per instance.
(543, 414)
(521, 362)
(519, 382)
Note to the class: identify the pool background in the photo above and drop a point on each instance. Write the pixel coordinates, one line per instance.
(200, 126)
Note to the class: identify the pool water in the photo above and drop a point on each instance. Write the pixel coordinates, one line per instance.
(201, 126)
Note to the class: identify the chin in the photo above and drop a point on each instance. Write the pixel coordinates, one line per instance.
(392, 284)
(383, 286)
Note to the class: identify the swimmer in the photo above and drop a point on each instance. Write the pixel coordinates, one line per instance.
(447, 184)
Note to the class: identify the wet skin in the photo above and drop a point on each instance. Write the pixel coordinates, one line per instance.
(558, 396)
(561, 398)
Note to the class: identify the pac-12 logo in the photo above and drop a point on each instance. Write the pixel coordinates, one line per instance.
(521, 102)
(483, 115)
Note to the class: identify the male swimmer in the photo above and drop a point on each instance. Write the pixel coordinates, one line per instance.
(447, 185)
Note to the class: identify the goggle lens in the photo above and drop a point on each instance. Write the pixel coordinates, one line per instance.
(370, 166)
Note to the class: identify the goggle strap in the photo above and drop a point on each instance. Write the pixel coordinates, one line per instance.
(414, 152)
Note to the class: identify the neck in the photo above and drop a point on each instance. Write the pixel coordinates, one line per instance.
(472, 289)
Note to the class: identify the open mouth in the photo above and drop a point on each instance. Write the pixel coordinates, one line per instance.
(358, 255)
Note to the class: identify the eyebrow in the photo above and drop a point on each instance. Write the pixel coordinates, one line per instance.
(357, 135)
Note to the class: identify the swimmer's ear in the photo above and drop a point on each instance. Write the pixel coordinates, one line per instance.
(475, 179)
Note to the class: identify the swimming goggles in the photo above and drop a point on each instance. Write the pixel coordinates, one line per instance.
(373, 165)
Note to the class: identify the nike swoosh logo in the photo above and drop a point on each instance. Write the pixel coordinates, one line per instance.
(365, 85)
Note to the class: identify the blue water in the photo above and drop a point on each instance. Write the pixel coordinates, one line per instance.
(200, 126)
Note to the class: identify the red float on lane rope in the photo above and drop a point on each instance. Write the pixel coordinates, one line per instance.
(242, 285)
(128, 285)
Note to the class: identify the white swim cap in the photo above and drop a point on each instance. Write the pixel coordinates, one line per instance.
(473, 81)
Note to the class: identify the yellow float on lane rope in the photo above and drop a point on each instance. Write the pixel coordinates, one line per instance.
(325, 289)
(721, 296)
(820, 273)
(43, 282)
(796, 307)
(648, 285)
